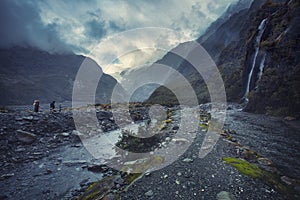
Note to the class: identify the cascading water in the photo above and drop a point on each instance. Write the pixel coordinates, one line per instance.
(261, 30)
(261, 66)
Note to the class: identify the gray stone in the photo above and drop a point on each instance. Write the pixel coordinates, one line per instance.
(287, 180)
(118, 180)
(28, 118)
(149, 193)
(25, 137)
(289, 118)
(264, 161)
(225, 196)
(188, 160)
(65, 134)
(5, 176)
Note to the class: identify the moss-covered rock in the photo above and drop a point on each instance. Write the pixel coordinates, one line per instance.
(252, 170)
(99, 189)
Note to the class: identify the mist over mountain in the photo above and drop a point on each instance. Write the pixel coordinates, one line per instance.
(21, 25)
(28, 74)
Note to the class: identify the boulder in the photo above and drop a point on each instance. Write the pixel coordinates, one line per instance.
(26, 137)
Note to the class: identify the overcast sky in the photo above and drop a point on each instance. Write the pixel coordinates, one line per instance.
(81, 25)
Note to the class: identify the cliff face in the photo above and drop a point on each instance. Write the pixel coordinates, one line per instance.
(28, 74)
(276, 89)
(257, 52)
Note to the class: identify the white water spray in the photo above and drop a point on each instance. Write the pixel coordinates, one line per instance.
(261, 66)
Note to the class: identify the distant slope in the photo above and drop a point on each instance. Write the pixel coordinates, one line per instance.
(232, 45)
(28, 74)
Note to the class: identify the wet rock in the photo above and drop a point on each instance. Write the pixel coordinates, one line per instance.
(20, 149)
(179, 140)
(97, 168)
(187, 160)
(225, 196)
(119, 180)
(74, 162)
(28, 118)
(65, 134)
(25, 137)
(289, 118)
(287, 180)
(75, 132)
(109, 197)
(5, 176)
(147, 173)
(48, 171)
(149, 193)
(83, 182)
(18, 118)
(264, 161)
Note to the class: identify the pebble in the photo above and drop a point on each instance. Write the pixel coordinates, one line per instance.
(188, 160)
(287, 180)
(65, 134)
(5, 176)
(147, 173)
(225, 196)
(149, 193)
(264, 161)
(289, 118)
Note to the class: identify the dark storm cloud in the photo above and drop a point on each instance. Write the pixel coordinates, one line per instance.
(95, 29)
(21, 25)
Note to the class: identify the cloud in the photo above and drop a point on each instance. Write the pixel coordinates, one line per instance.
(21, 25)
(95, 29)
(79, 25)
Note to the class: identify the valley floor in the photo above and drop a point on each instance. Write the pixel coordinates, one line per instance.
(42, 157)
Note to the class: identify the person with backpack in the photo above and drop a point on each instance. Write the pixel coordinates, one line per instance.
(36, 105)
(52, 106)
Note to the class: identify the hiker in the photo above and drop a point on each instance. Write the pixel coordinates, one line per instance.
(59, 107)
(36, 105)
(52, 106)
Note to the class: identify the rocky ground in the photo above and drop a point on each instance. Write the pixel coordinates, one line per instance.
(42, 157)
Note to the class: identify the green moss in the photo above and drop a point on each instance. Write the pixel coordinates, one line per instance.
(245, 167)
(168, 121)
(203, 125)
(132, 177)
(98, 189)
(252, 170)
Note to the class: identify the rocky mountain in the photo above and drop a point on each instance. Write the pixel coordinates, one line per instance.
(257, 52)
(28, 74)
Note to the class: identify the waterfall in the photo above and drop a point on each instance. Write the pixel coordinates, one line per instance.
(261, 30)
(261, 66)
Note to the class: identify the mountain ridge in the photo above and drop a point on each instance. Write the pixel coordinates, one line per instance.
(29, 73)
